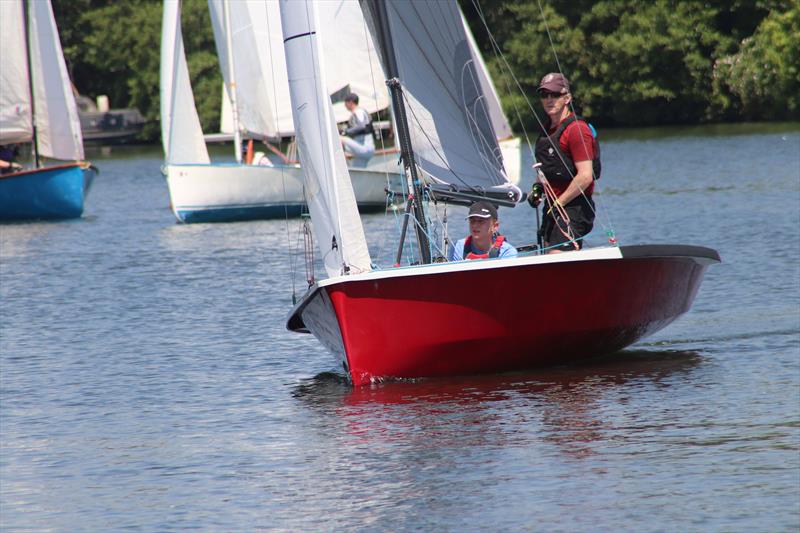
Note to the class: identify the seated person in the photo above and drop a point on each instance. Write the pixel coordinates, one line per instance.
(483, 241)
(357, 137)
(7, 156)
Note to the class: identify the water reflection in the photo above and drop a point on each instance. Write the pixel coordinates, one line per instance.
(19, 238)
(568, 407)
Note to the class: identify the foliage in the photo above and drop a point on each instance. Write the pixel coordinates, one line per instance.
(630, 62)
(764, 74)
(113, 48)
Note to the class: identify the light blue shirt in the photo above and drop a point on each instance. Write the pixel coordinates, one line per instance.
(457, 251)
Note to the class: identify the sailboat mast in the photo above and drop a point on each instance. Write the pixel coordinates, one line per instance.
(237, 134)
(26, 16)
(403, 133)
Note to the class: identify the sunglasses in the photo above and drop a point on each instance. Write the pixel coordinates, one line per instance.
(544, 95)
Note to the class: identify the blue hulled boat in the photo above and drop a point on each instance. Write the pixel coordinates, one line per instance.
(45, 193)
(37, 108)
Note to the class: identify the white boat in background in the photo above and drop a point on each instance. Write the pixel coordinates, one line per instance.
(37, 106)
(250, 48)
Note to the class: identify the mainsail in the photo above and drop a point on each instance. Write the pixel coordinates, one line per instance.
(262, 91)
(328, 190)
(449, 114)
(181, 133)
(15, 105)
(253, 32)
(57, 124)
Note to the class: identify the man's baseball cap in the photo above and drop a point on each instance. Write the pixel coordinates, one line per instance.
(482, 210)
(554, 83)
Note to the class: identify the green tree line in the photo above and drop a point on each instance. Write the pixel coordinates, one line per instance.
(630, 62)
(648, 62)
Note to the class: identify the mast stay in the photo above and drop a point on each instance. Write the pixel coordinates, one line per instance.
(406, 150)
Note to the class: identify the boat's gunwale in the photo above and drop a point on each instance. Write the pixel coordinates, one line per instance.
(29, 171)
(700, 254)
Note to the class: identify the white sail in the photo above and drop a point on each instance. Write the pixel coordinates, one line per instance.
(58, 128)
(351, 56)
(260, 65)
(449, 114)
(253, 32)
(181, 133)
(15, 101)
(329, 192)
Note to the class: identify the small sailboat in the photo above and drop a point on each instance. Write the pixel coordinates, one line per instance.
(479, 316)
(37, 106)
(250, 50)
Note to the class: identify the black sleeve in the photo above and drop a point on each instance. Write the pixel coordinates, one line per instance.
(359, 130)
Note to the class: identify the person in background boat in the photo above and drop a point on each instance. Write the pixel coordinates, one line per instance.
(261, 159)
(357, 136)
(484, 240)
(570, 161)
(7, 156)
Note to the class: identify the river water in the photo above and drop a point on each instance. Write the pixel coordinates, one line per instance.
(147, 382)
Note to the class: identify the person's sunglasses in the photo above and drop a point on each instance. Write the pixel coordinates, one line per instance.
(544, 95)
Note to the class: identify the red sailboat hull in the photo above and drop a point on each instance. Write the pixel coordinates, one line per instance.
(499, 315)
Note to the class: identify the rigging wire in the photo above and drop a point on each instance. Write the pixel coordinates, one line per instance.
(473, 188)
(498, 52)
(488, 152)
(389, 197)
(604, 212)
(294, 254)
(572, 101)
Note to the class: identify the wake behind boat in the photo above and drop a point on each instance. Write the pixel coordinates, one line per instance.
(37, 106)
(476, 316)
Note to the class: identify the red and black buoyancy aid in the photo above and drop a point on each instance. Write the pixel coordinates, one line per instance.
(556, 165)
(493, 252)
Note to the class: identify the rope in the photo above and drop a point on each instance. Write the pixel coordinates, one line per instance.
(560, 210)
(398, 228)
(430, 240)
(572, 241)
(501, 56)
(604, 212)
(571, 103)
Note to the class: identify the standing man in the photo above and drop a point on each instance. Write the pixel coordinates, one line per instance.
(357, 138)
(570, 161)
(484, 241)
